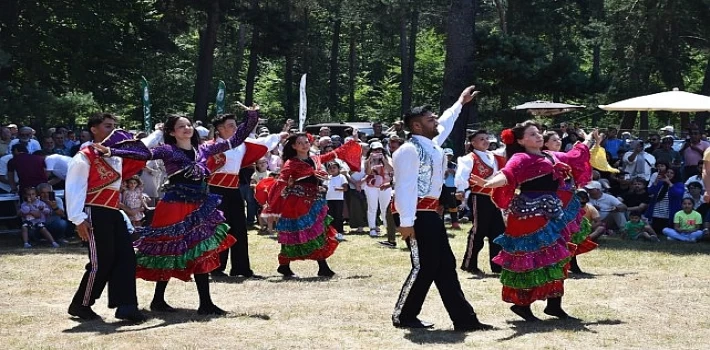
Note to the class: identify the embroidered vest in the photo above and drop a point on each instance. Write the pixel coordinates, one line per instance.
(101, 175)
(426, 169)
(483, 170)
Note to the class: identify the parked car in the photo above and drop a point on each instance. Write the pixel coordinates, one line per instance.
(339, 128)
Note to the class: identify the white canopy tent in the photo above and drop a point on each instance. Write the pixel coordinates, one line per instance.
(546, 108)
(672, 101)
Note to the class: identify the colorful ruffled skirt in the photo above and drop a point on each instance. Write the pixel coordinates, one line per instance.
(304, 226)
(185, 238)
(544, 230)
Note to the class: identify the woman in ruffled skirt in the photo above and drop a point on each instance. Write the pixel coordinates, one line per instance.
(545, 223)
(187, 232)
(298, 200)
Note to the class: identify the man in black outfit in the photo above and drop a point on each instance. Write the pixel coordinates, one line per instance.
(92, 191)
(417, 204)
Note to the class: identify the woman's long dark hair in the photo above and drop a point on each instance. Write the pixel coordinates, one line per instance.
(170, 127)
(289, 152)
(519, 133)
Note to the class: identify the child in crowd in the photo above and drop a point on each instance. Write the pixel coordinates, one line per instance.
(260, 174)
(592, 214)
(335, 195)
(133, 200)
(636, 228)
(34, 213)
(687, 224)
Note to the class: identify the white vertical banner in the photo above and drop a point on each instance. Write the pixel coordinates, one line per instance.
(302, 104)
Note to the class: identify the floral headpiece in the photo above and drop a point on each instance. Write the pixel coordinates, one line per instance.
(507, 136)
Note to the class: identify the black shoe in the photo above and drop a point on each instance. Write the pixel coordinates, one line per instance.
(211, 310)
(559, 313)
(216, 273)
(83, 312)
(415, 323)
(524, 312)
(474, 271)
(130, 313)
(161, 306)
(285, 270)
(388, 244)
(249, 274)
(472, 327)
(326, 273)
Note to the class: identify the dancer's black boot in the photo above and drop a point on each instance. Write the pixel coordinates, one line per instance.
(158, 304)
(324, 270)
(525, 312)
(554, 308)
(202, 281)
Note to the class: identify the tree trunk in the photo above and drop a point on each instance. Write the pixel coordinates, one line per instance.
(253, 60)
(352, 72)
(208, 40)
(459, 64)
(334, 66)
(306, 46)
(502, 17)
(643, 126)
(413, 32)
(404, 83)
(628, 121)
(239, 59)
(9, 13)
(701, 117)
(288, 71)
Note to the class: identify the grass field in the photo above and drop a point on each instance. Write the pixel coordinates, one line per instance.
(640, 295)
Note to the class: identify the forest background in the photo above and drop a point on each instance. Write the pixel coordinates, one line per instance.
(365, 59)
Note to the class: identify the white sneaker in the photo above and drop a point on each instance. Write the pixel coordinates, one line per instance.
(27, 245)
(374, 233)
(340, 237)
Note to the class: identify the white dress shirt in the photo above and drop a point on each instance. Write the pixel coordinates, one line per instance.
(406, 163)
(235, 155)
(32, 146)
(58, 164)
(465, 167)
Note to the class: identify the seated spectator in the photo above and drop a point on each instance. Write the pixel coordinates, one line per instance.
(697, 178)
(59, 146)
(655, 143)
(611, 210)
(57, 222)
(34, 212)
(687, 224)
(661, 168)
(5, 139)
(695, 192)
(84, 137)
(619, 183)
(636, 228)
(592, 214)
(637, 162)
(666, 197)
(636, 199)
(613, 145)
(30, 169)
(24, 136)
(667, 154)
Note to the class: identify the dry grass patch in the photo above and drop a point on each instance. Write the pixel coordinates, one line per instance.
(641, 295)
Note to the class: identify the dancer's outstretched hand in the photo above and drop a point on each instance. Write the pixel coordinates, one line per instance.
(254, 107)
(468, 94)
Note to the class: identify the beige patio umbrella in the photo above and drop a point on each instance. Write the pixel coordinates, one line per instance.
(672, 101)
(546, 108)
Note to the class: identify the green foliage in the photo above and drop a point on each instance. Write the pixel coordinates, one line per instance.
(60, 61)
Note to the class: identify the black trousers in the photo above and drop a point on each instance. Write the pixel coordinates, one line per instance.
(111, 260)
(432, 262)
(487, 221)
(233, 208)
(335, 210)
